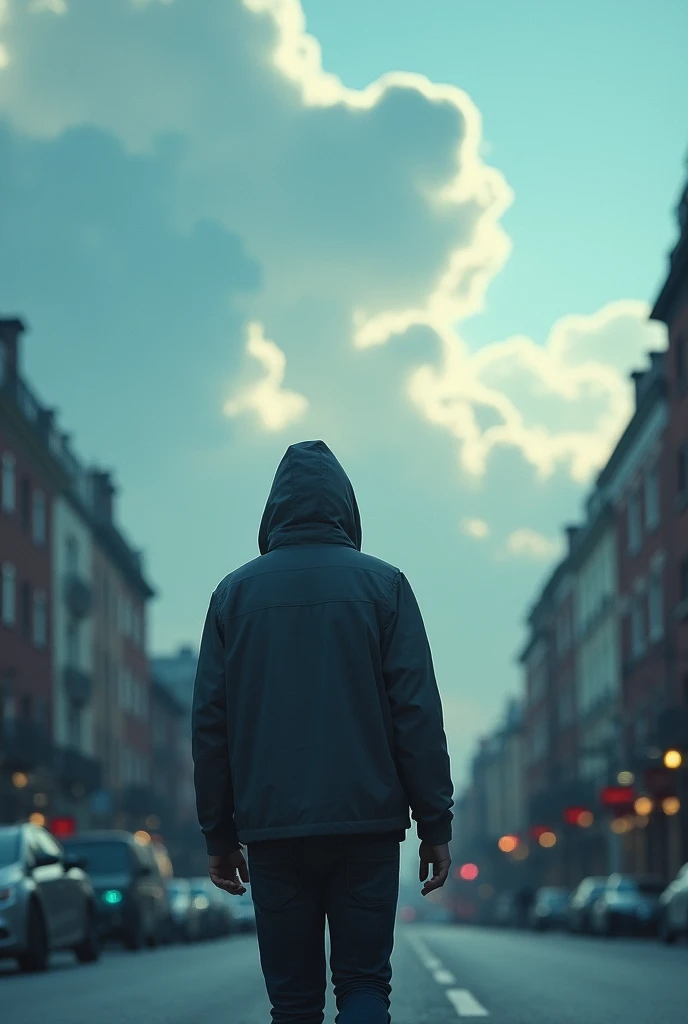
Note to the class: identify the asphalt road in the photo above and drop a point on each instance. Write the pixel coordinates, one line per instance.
(442, 974)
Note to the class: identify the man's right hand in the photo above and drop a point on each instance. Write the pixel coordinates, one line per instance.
(439, 857)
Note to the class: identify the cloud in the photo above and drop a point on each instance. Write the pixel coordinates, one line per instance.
(476, 528)
(561, 404)
(370, 211)
(529, 544)
(275, 406)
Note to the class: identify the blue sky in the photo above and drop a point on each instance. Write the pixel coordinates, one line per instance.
(226, 239)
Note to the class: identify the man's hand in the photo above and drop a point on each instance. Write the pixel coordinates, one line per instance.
(439, 857)
(228, 871)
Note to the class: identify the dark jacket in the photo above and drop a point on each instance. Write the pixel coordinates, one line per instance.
(315, 709)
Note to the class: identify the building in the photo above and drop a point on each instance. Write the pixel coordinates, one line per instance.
(30, 477)
(671, 308)
(178, 673)
(122, 711)
(73, 663)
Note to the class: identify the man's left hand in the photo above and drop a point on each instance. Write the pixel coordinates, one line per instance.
(228, 871)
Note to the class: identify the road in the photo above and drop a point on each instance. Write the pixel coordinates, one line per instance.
(442, 974)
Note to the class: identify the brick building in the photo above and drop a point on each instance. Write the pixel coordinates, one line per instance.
(30, 476)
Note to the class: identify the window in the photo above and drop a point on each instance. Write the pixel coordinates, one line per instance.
(9, 496)
(9, 598)
(637, 627)
(683, 579)
(634, 524)
(652, 499)
(74, 726)
(655, 607)
(40, 618)
(25, 503)
(683, 468)
(72, 555)
(25, 602)
(39, 518)
(73, 644)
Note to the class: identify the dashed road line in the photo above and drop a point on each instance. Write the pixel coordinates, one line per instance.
(463, 1001)
(465, 1004)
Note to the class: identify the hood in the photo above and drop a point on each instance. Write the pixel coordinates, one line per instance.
(311, 501)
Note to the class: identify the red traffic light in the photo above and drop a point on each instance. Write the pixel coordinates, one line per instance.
(617, 796)
(62, 827)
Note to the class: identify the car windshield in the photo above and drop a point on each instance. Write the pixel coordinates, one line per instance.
(9, 846)
(102, 858)
(651, 888)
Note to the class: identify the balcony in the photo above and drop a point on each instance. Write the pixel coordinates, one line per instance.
(25, 746)
(77, 770)
(78, 596)
(78, 685)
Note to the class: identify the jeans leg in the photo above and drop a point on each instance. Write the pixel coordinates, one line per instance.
(290, 925)
(361, 907)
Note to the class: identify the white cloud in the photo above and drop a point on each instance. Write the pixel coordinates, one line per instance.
(275, 406)
(370, 211)
(51, 6)
(527, 543)
(476, 528)
(563, 403)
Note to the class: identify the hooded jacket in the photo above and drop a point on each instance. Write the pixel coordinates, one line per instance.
(315, 709)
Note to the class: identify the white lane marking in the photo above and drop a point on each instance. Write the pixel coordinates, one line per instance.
(465, 1004)
(444, 977)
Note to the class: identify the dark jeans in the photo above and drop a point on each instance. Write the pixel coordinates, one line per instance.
(353, 882)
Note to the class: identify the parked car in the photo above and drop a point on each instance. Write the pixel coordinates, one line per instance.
(506, 910)
(627, 904)
(582, 901)
(47, 900)
(549, 909)
(673, 908)
(130, 895)
(243, 913)
(216, 915)
(185, 917)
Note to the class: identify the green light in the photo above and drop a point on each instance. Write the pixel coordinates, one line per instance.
(112, 896)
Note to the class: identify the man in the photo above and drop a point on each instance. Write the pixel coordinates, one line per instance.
(316, 723)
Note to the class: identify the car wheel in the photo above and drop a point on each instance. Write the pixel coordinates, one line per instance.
(133, 937)
(36, 955)
(88, 950)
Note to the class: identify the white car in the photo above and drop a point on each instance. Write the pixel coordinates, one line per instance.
(46, 900)
(673, 908)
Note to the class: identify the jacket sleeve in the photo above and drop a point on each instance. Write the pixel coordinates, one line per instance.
(419, 738)
(212, 773)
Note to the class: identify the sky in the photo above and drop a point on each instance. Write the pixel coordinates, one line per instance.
(429, 233)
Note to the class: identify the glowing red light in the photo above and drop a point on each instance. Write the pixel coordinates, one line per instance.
(61, 827)
(469, 872)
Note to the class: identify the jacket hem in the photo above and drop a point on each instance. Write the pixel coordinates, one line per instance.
(324, 828)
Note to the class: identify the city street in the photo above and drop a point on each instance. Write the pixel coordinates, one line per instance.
(442, 974)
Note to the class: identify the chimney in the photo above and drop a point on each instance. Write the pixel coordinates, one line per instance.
(103, 495)
(638, 377)
(11, 330)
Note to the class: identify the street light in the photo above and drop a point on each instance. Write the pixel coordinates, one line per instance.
(671, 805)
(643, 806)
(507, 844)
(625, 778)
(548, 840)
(673, 759)
(20, 780)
